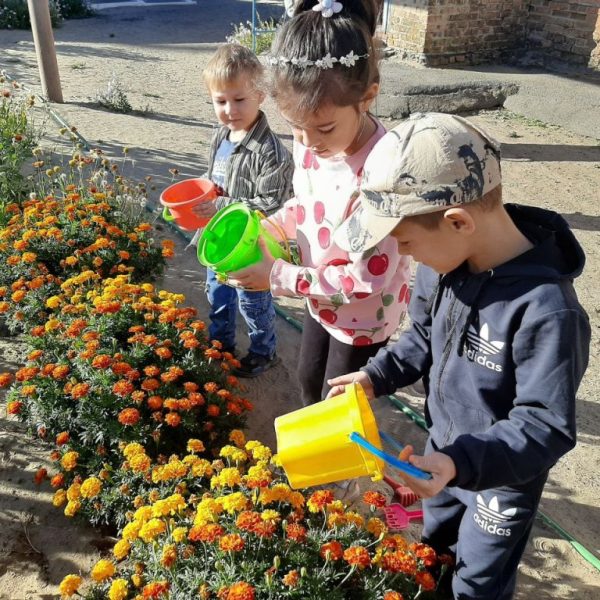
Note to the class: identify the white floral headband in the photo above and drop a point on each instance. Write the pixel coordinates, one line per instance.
(327, 62)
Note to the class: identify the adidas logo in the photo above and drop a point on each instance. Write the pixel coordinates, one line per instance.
(489, 516)
(480, 348)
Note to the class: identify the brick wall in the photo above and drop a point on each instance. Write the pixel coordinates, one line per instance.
(440, 32)
(565, 29)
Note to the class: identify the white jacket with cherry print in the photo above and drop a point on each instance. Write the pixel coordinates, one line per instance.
(358, 298)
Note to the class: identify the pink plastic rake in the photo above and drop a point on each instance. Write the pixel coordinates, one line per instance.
(398, 518)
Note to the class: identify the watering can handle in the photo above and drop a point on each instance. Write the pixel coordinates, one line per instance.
(167, 216)
(392, 460)
(279, 231)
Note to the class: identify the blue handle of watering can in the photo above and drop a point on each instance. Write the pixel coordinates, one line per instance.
(392, 460)
(388, 439)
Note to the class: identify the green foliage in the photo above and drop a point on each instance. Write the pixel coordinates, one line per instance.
(242, 34)
(14, 14)
(17, 139)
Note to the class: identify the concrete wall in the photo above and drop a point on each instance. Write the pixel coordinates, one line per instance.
(441, 32)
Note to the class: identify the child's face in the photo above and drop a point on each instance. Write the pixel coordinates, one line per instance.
(236, 103)
(329, 131)
(439, 248)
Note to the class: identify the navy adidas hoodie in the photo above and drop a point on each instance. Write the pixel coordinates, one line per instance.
(501, 354)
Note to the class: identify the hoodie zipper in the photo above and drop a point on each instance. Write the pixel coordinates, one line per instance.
(446, 356)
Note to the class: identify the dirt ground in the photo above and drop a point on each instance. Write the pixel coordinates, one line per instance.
(159, 62)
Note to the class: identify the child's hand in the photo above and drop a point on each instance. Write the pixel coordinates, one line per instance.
(441, 467)
(205, 210)
(338, 384)
(256, 277)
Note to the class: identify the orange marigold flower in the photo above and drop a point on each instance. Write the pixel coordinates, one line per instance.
(40, 475)
(426, 553)
(150, 384)
(375, 499)
(291, 579)
(211, 387)
(196, 399)
(248, 520)
(393, 596)
(62, 438)
(34, 355)
(169, 555)
(102, 361)
(6, 379)
(123, 388)
(319, 500)
(205, 533)
(239, 591)
(4, 306)
(129, 416)
(14, 407)
(58, 481)
(213, 410)
(399, 562)
(154, 402)
(138, 396)
(231, 542)
(121, 368)
(332, 551)
(190, 386)
(164, 353)
(357, 556)
(296, 532)
(155, 589)
(151, 370)
(425, 580)
(80, 390)
(172, 419)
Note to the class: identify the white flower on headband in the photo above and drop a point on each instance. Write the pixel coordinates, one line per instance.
(328, 8)
(326, 62)
(350, 59)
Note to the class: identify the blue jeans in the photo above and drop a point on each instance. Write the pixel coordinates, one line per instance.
(256, 308)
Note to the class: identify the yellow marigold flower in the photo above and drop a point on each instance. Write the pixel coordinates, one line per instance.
(147, 287)
(196, 446)
(69, 460)
(121, 549)
(234, 502)
(53, 302)
(140, 463)
(69, 585)
(59, 498)
(74, 491)
(91, 487)
(52, 324)
(143, 514)
(228, 477)
(118, 590)
(238, 438)
(270, 515)
(179, 534)
(132, 449)
(169, 506)
(169, 555)
(102, 570)
(376, 527)
(151, 529)
(131, 530)
(72, 508)
(71, 261)
(137, 580)
(355, 519)
(202, 468)
(29, 257)
(234, 454)
(261, 453)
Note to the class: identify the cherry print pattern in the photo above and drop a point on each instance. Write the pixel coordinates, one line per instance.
(328, 316)
(378, 264)
(319, 210)
(310, 161)
(324, 236)
(300, 215)
(362, 340)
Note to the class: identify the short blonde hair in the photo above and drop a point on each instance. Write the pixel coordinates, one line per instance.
(231, 61)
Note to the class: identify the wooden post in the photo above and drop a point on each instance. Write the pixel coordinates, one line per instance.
(43, 38)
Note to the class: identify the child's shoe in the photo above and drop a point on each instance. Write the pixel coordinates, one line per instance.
(253, 365)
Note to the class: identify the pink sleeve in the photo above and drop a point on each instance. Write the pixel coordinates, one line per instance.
(284, 220)
(358, 275)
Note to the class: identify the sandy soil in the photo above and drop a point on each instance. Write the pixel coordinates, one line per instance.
(158, 55)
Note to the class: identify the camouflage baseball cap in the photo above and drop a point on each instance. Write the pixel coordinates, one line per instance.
(430, 162)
